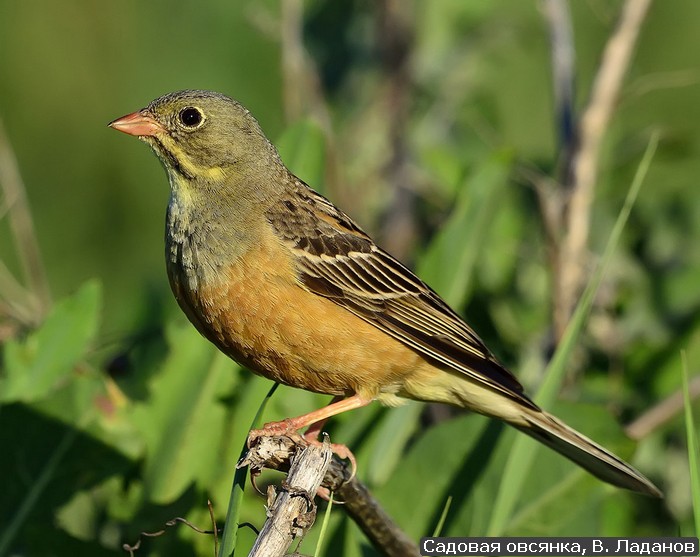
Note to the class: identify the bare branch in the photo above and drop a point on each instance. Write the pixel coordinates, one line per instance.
(385, 535)
(292, 510)
(594, 122)
(293, 59)
(662, 412)
(395, 37)
(563, 69)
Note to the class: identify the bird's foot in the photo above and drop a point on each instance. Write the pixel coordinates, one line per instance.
(288, 428)
(341, 451)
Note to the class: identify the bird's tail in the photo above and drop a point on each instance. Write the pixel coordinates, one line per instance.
(598, 461)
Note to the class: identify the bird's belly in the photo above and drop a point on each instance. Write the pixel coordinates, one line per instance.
(256, 313)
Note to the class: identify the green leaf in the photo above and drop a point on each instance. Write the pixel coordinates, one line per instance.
(448, 264)
(445, 467)
(183, 420)
(34, 493)
(35, 365)
(48, 463)
(553, 482)
(395, 429)
(324, 527)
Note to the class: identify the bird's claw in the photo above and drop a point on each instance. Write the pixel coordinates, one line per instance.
(284, 428)
(287, 428)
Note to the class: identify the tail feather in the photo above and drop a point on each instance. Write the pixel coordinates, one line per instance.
(598, 461)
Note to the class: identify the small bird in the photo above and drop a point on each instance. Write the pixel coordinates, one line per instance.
(286, 284)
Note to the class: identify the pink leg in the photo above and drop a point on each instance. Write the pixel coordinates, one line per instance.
(292, 425)
(314, 430)
(315, 419)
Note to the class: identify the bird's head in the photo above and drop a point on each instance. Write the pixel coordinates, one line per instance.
(201, 136)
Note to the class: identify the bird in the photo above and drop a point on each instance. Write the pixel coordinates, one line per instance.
(289, 286)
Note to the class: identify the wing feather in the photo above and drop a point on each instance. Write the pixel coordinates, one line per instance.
(337, 260)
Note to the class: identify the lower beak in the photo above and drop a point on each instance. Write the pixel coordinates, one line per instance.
(137, 123)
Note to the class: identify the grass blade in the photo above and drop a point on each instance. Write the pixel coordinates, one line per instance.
(693, 460)
(443, 517)
(228, 540)
(324, 527)
(523, 453)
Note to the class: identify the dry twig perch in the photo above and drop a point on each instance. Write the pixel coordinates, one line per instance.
(276, 452)
(291, 511)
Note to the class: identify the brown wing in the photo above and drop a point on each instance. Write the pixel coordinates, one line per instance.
(337, 260)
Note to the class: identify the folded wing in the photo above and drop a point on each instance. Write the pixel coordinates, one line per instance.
(337, 260)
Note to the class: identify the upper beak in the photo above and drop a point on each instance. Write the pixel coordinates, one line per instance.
(139, 123)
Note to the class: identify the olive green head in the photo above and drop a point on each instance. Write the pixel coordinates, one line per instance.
(201, 136)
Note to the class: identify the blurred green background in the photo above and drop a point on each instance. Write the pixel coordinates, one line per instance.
(420, 119)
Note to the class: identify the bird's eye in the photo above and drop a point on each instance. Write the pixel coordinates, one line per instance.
(190, 117)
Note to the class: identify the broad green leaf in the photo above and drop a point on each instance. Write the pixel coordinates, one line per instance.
(446, 165)
(448, 264)
(394, 430)
(553, 481)
(48, 462)
(448, 458)
(183, 419)
(36, 490)
(37, 364)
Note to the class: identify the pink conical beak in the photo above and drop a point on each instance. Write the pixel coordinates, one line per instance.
(137, 123)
